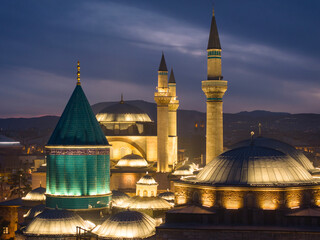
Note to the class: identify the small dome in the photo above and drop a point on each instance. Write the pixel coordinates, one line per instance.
(254, 165)
(147, 180)
(127, 225)
(35, 211)
(169, 196)
(55, 222)
(37, 194)
(118, 198)
(183, 170)
(155, 203)
(122, 112)
(132, 160)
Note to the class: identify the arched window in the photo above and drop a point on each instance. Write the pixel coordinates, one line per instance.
(145, 193)
(152, 194)
(196, 198)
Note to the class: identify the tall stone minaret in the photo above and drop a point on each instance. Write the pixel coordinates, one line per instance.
(162, 98)
(214, 88)
(173, 106)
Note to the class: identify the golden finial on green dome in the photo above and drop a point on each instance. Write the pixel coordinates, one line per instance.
(78, 74)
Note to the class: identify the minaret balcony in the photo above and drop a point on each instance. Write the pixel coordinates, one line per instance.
(162, 98)
(214, 89)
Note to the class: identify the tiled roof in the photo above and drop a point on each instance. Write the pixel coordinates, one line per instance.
(78, 124)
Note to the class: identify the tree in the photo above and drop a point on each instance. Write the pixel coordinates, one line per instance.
(19, 183)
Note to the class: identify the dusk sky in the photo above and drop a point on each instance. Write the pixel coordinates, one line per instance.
(270, 52)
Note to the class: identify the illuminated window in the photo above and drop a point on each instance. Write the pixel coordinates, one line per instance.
(5, 230)
(145, 193)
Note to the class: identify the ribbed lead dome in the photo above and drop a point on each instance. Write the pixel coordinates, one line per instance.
(122, 112)
(54, 222)
(37, 194)
(169, 196)
(35, 211)
(147, 180)
(118, 198)
(282, 147)
(132, 160)
(127, 225)
(254, 165)
(155, 203)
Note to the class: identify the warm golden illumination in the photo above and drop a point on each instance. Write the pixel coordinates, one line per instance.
(181, 200)
(294, 198)
(232, 199)
(207, 198)
(269, 200)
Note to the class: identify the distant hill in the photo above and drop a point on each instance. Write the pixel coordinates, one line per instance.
(296, 129)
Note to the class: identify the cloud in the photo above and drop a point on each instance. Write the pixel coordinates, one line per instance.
(140, 27)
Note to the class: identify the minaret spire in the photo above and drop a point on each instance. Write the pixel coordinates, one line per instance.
(214, 41)
(78, 74)
(121, 101)
(172, 79)
(163, 65)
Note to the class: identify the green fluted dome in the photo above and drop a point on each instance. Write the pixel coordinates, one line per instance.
(78, 125)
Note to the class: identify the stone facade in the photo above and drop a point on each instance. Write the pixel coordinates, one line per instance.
(267, 198)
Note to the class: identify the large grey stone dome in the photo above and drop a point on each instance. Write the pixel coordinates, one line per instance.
(282, 147)
(254, 165)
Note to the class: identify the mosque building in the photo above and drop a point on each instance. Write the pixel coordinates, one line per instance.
(130, 130)
(138, 145)
(260, 188)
